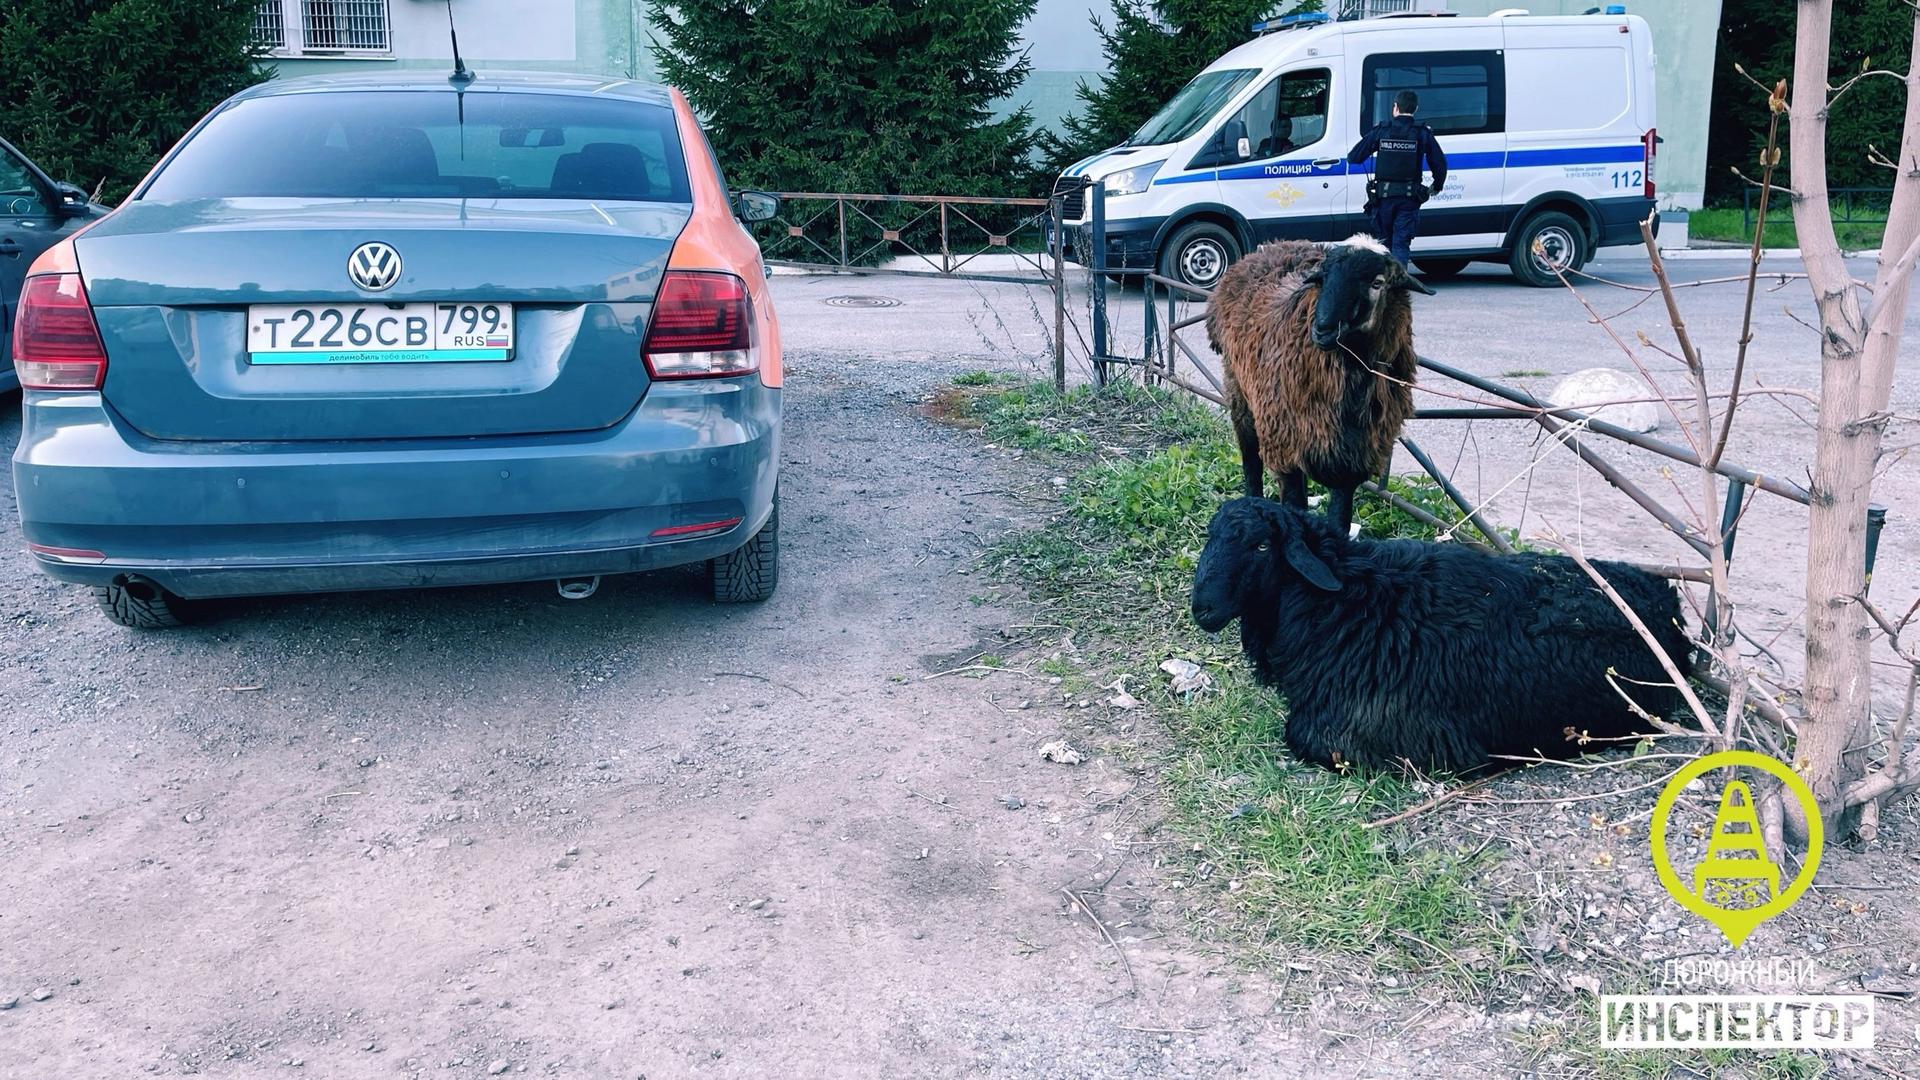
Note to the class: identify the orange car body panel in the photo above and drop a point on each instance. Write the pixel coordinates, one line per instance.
(715, 240)
(60, 258)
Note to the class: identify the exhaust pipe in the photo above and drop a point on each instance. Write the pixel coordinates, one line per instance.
(141, 589)
(577, 588)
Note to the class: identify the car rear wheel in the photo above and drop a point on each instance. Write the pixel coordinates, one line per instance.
(1441, 269)
(141, 605)
(1198, 253)
(1547, 244)
(749, 574)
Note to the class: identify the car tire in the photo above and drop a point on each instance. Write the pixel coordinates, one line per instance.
(141, 605)
(1198, 253)
(1565, 244)
(1441, 269)
(750, 573)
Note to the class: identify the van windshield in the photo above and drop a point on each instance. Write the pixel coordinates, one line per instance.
(1192, 107)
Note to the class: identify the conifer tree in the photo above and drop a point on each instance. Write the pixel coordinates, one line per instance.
(1758, 36)
(887, 96)
(96, 90)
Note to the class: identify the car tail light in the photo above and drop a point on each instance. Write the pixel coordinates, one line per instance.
(1652, 141)
(56, 346)
(702, 327)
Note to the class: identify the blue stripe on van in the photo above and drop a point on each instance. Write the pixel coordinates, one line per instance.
(1487, 159)
(1577, 155)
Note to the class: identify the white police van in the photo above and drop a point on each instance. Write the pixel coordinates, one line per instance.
(1547, 123)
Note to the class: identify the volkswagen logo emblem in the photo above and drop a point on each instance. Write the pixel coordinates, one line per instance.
(374, 267)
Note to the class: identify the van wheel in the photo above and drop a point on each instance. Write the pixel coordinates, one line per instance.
(749, 574)
(1198, 253)
(141, 605)
(1441, 269)
(1561, 244)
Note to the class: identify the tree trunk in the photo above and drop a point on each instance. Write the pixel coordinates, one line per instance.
(1856, 381)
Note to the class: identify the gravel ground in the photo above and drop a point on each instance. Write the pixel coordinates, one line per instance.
(474, 832)
(433, 832)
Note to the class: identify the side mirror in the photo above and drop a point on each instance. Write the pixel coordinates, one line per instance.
(756, 206)
(1235, 136)
(73, 199)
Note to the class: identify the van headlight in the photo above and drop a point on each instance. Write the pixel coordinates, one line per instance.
(1131, 181)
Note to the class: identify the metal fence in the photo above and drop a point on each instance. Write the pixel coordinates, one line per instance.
(1163, 345)
(941, 236)
(928, 235)
(1854, 206)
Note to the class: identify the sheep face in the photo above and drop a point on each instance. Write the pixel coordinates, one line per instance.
(1254, 546)
(1355, 279)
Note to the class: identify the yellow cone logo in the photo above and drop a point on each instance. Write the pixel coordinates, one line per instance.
(1737, 883)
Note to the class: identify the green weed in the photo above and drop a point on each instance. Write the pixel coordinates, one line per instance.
(1279, 847)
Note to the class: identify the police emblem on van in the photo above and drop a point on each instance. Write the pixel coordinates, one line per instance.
(374, 266)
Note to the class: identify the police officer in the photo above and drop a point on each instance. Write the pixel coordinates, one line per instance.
(1395, 193)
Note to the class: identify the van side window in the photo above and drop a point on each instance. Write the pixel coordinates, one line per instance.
(1288, 113)
(1461, 93)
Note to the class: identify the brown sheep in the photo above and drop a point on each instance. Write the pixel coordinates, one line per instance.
(1317, 344)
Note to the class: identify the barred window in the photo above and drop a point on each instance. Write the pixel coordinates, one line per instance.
(324, 27)
(269, 24)
(345, 25)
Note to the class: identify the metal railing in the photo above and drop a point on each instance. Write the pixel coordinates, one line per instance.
(1855, 206)
(1159, 363)
(938, 236)
(933, 235)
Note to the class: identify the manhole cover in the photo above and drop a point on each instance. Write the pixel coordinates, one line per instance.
(862, 301)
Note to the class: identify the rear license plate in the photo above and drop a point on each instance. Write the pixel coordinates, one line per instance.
(378, 333)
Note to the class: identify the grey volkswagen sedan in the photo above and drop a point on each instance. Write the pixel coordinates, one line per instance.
(399, 331)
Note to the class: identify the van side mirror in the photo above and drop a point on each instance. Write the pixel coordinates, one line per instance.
(756, 206)
(1234, 139)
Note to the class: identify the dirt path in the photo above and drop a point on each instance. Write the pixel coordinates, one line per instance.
(428, 833)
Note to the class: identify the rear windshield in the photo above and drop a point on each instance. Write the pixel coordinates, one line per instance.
(429, 145)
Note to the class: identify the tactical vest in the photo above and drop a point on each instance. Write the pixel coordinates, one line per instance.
(1398, 159)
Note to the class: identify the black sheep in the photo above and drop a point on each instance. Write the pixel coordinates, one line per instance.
(1435, 653)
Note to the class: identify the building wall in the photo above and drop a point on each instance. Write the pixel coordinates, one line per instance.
(595, 37)
(1685, 36)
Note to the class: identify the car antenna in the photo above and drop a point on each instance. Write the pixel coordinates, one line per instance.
(461, 76)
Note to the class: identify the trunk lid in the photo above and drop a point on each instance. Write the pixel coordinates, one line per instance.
(171, 284)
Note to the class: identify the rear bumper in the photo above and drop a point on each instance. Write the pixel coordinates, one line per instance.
(1619, 220)
(100, 502)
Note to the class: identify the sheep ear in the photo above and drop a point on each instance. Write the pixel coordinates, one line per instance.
(1404, 279)
(1316, 277)
(1310, 566)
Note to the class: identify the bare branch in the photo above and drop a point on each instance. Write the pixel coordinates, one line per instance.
(1837, 91)
(1772, 158)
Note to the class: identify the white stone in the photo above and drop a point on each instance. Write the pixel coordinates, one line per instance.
(1594, 386)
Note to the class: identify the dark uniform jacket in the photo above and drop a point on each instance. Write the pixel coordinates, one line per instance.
(1401, 143)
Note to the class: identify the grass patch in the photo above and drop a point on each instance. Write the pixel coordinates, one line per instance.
(1728, 223)
(1280, 854)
